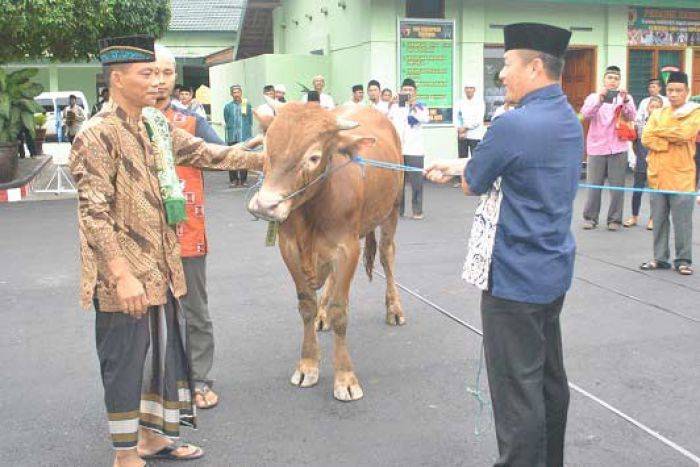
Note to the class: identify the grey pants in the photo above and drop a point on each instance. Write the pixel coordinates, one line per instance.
(416, 181)
(613, 168)
(678, 208)
(200, 332)
(527, 380)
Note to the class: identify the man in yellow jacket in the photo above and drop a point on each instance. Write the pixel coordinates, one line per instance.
(670, 137)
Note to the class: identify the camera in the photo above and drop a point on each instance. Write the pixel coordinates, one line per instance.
(610, 96)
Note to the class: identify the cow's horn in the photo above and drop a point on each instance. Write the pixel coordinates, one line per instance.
(275, 104)
(345, 124)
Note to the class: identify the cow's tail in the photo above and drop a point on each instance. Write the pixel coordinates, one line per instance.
(370, 253)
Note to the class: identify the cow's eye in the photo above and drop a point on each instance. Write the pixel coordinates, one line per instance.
(315, 159)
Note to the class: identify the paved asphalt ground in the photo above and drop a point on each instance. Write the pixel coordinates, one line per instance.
(631, 339)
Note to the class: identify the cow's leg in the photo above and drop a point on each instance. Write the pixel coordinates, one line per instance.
(346, 386)
(387, 253)
(306, 373)
(322, 321)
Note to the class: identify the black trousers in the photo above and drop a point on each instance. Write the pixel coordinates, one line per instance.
(237, 175)
(415, 179)
(466, 147)
(529, 389)
(640, 181)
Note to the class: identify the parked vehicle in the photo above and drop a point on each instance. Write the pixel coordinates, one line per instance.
(53, 104)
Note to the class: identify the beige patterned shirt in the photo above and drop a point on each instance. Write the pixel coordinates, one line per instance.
(120, 211)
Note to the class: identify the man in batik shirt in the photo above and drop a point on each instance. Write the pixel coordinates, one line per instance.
(131, 270)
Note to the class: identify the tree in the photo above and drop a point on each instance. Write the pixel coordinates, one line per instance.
(67, 30)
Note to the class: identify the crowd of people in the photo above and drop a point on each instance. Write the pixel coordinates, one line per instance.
(143, 243)
(659, 140)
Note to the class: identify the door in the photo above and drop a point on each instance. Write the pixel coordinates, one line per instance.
(577, 77)
(578, 80)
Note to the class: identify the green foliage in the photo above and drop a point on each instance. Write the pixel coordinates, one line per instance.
(39, 120)
(64, 30)
(17, 106)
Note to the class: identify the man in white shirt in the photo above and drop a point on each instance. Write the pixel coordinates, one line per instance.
(358, 95)
(326, 101)
(470, 121)
(408, 115)
(654, 88)
(374, 95)
(264, 109)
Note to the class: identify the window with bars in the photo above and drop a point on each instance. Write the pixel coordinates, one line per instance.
(646, 63)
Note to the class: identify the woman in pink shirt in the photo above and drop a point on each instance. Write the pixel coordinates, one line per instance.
(607, 154)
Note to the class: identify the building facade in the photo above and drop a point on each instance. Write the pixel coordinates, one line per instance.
(353, 41)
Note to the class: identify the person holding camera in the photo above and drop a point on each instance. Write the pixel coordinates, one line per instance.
(408, 115)
(607, 152)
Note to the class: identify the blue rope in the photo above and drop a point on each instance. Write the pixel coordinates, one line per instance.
(386, 165)
(639, 190)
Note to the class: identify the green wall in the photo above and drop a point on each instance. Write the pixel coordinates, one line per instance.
(360, 40)
(254, 73)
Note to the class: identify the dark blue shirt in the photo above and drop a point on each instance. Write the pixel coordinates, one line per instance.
(537, 150)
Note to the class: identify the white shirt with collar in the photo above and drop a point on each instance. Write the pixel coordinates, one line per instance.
(411, 135)
(381, 106)
(470, 115)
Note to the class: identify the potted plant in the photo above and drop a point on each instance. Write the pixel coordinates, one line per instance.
(39, 132)
(17, 109)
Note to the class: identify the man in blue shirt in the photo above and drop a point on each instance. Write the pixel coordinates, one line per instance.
(521, 250)
(238, 117)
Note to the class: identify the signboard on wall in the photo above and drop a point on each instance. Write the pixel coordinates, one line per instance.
(663, 26)
(426, 54)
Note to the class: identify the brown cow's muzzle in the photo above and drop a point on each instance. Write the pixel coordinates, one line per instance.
(270, 206)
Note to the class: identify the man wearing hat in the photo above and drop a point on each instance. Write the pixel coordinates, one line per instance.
(130, 201)
(408, 117)
(470, 121)
(521, 249)
(607, 153)
(326, 101)
(280, 91)
(238, 119)
(670, 137)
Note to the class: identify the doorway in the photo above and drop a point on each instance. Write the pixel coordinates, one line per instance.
(578, 77)
(578, 80)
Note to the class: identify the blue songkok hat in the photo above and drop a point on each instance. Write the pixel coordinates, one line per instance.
(127, 49)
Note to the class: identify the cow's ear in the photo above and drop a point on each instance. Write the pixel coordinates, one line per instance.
(355, 144)
(264, 120)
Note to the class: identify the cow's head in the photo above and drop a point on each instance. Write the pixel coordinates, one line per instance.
(300, 143)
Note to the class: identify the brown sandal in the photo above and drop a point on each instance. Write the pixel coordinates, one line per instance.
(203, 396)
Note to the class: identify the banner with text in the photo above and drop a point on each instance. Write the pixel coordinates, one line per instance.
(426, 55)
(663, 26)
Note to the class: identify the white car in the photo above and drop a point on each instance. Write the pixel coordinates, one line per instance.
(53, 104)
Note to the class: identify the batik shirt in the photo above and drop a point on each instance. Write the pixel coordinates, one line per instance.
(120, 210)
(239, 122)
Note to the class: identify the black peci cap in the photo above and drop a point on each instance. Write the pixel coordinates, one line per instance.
(677, 77)
(536, 36)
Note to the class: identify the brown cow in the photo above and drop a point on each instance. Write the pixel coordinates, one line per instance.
(340, 202)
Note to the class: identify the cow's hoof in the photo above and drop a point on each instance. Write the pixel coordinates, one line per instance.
(305, 376)
(346, 387)
(322, 321)
(393, 319)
